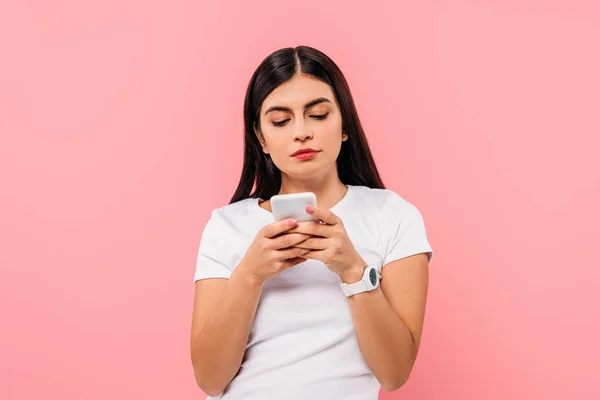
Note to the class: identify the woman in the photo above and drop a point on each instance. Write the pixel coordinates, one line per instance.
(274, 317)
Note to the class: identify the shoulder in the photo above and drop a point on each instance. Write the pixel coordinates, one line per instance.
(400, 223)
(392, 211)
(238, 208)
(386, 201)
(233, 211)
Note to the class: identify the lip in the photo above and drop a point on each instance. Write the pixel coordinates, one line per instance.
(303, 151)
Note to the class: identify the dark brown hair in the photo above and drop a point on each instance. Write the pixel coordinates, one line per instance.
(355, 162)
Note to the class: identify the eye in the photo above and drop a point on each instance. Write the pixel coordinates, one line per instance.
(319, 117)
(280, 123)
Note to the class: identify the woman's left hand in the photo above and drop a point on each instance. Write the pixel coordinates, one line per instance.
(330, 244)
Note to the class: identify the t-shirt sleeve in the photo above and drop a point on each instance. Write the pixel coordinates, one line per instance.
(404, 230)
(211, 257)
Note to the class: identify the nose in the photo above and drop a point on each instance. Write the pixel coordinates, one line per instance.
(302, 132)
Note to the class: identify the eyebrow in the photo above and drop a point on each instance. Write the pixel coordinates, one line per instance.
(306, 106)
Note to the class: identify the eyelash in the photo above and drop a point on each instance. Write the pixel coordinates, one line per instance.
(317, 117)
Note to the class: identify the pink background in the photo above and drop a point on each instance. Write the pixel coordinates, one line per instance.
(121, 126)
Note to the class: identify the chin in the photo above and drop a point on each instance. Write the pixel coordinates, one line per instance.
(307, 170)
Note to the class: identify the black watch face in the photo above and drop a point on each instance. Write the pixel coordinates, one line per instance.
(373, 277)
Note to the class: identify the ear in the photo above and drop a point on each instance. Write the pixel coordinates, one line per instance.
(261, 139)
(344, 136)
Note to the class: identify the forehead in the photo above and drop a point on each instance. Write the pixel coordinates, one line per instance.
(298, 91)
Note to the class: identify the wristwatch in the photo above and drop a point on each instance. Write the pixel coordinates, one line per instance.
(369, 281)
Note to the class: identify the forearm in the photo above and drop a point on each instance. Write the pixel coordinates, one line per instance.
(218, 349)
(385, 341)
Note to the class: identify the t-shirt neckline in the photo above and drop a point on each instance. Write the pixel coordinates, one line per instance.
(337, 205)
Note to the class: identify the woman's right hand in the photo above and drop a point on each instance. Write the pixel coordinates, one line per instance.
(271, 252)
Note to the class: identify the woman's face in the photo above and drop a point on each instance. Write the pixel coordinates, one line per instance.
(301, 113)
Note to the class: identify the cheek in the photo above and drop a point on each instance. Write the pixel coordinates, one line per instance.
(278, 142)
(331, 131)
(332, 126)
(273, 135)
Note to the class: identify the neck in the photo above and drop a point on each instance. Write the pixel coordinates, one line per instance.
(328, 189)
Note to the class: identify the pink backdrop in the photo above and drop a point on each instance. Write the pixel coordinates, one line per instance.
(121, 130)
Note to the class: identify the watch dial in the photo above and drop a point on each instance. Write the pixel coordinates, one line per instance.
(373, 276)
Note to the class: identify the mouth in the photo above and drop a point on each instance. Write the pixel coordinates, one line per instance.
(304, 151)
(304, 154)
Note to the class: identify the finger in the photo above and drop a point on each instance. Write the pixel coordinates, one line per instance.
(324, 215)
(314, 255)
(313, 244)
(294, 261)
(291, 253)
(313, 229)
(287, 240)
(279, 227)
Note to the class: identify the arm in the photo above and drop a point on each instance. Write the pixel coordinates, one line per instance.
(388, 321)
(224, 309)
(223, 313)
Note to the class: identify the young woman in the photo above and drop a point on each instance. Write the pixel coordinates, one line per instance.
(308, 310)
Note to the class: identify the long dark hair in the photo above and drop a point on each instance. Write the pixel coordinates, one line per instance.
(355, 162)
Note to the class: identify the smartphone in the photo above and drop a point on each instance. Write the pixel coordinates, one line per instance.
(293, 205)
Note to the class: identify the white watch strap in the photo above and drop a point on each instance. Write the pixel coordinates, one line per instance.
(350, 289)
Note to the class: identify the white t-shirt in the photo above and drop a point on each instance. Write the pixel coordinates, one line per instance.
(302, 343)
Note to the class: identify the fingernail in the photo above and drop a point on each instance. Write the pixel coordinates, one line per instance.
(293, 222)
(310, 209)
